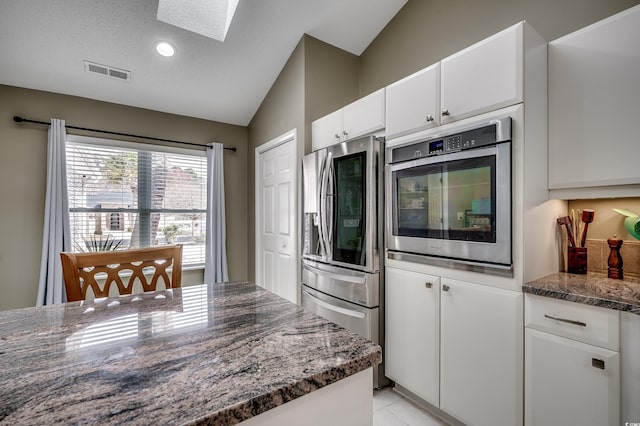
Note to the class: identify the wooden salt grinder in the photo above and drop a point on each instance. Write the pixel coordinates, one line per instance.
(615, 260)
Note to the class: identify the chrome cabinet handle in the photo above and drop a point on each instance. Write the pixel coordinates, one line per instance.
(337, 136)
(336, 276)
(445, 112)
(428, 285)
(429, 117)
(568, 321)
(344, 132)
(445, 287)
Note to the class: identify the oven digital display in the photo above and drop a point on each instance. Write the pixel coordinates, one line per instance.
(435, 147)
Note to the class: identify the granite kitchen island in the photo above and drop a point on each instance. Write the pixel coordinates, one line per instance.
(209, 354)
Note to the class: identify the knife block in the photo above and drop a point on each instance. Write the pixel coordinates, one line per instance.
(577, 260)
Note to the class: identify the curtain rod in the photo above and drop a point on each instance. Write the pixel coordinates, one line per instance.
(19, 119)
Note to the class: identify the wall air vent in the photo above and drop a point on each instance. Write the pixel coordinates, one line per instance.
(107, 71)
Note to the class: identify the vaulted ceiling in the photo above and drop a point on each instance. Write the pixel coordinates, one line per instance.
(44, 45)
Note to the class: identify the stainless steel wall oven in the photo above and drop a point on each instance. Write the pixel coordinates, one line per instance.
(449, 196)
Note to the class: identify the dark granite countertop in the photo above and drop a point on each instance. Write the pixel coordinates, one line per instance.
(591, 289)
(215, 354)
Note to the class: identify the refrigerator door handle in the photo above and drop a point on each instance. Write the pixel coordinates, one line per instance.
(324, 201)
(336, 276)
(331, 307)
(330, 198)
(323, 249)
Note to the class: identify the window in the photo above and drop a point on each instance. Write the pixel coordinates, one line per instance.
(125, 195)
(116, 221)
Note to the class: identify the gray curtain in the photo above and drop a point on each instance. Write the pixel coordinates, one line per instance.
(215, 269)
(56, 235)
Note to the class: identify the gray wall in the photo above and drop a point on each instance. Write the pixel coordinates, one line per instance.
(23, 162)
(317, 79)
(426, 31)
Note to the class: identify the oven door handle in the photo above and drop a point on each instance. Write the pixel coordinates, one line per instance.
(338, 309)
(341, 277)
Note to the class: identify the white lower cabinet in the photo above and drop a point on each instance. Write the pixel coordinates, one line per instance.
(572, 364)
(457, 345)
(481, 354)
(412, 321)
(569, 382)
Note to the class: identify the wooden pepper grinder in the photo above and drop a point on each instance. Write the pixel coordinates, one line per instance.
(615, 260)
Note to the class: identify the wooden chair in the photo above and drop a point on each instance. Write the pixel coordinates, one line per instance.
(80, 270)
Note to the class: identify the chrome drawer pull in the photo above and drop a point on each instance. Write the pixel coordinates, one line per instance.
(428, 285)
(568, 321)
(334, 308)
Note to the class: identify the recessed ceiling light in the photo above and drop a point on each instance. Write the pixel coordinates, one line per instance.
(164, 48)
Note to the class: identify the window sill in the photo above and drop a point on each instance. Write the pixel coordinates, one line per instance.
(193, 268)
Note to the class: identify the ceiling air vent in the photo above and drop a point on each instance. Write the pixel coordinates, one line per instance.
(107, 71)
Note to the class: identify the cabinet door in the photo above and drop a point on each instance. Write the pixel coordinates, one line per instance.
(481, 352)
(412, 332)
(364, 116)
(594, 105)
(327, 130)
(569, 382)
(483, 77)
(413, 103)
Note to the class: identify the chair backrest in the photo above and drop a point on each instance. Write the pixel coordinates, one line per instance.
(80, 270)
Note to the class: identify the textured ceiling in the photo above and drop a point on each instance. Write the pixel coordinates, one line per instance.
(44, 44)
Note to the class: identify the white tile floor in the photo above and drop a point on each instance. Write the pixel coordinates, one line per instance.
(392, 409)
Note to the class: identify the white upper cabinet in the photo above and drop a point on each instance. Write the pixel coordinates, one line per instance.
(364, 116)
(327, 130)
(483, 77)
(359, 118)
(594, 109)
(413, 103)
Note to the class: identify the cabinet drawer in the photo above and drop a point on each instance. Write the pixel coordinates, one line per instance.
(584, 323)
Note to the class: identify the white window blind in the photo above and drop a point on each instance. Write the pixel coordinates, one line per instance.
(124, 196)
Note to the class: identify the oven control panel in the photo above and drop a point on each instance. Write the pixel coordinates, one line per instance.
(490, 134)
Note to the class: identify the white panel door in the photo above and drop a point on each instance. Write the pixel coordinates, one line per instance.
(481, 354)
(412, 332)
(483, 77)
(570, 383)
(275, 214)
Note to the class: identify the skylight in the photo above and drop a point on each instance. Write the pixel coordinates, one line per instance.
(210, 18)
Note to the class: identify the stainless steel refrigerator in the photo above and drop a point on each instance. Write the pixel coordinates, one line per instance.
(342, 238)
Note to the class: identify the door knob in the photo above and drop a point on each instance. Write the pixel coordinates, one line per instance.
(428, 285)
(445, 287)
(445, 112)
(429, 117)
(337, 136)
